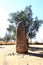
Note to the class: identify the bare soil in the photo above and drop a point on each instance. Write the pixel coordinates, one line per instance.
(8, 55)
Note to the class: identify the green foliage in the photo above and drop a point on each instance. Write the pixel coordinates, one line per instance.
(31, 25)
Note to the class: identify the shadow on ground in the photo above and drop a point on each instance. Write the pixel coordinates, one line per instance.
(2, 47)
(40, 54)
(35, 48)
(34, 54)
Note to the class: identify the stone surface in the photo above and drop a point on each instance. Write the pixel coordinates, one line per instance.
(21, 42)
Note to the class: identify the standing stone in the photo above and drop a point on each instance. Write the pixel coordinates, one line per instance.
(21, 42)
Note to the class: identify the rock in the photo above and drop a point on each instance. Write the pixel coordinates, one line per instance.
(21, 42)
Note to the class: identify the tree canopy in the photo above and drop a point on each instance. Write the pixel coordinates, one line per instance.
(31, 24)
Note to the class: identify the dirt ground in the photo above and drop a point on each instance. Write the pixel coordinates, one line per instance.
(8, 55)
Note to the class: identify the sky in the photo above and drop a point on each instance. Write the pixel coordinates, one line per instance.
(10, 6)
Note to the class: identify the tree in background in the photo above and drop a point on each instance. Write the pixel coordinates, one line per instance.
(9, 34)
(31, 25)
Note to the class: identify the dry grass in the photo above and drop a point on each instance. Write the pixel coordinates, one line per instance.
(31, 43)
(14, 43)
(34, 43)
(7, 43)
(2, 42)
(11, 43)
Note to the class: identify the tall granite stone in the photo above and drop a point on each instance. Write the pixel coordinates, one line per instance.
(21, 42)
